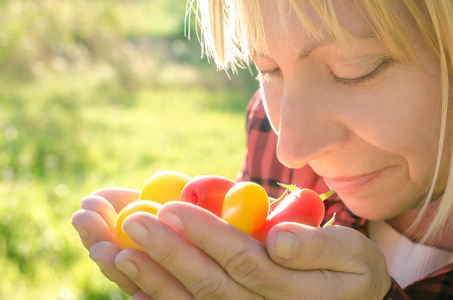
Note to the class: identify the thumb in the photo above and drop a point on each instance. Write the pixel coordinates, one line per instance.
(334, 248)
(350, 264)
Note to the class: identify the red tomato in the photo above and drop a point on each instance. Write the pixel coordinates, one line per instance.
(303, 206)
(207, 191)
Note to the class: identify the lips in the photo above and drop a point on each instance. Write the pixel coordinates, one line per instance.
(353, 184)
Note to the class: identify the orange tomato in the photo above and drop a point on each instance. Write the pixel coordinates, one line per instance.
(246, 206)
(164, 186)
(125, 242)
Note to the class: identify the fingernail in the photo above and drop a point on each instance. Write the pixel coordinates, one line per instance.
(172, 220)
(81, 230)
(128, 268)
(286, 245)
(136, 231)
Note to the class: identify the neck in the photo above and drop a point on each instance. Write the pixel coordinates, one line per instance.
(404, 224)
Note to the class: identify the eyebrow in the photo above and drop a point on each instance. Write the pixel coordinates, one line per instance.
(305, 53)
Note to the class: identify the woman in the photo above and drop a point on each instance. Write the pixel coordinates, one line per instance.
(358, 94)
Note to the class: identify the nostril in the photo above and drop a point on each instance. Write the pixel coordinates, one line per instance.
(289, 155)
(306, 137)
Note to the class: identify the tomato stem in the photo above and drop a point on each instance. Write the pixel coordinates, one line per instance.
(330, 222)
(280, 199)
(290, 187)
(326, 195)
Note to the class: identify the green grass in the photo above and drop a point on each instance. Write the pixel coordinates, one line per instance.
(94, 95)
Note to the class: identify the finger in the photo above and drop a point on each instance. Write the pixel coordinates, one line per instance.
(242, 257)
(334, 248)
(347, 254)
(104, 254)
(153, 279)
(247, 261)
(102, 207)
(201, 275)
(140, 295)
(118, 197)
(91, 227)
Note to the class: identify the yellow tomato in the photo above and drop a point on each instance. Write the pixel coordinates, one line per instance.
(246, 206)
(125, 242)
(164, 186)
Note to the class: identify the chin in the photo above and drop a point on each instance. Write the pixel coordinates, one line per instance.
(370, 209)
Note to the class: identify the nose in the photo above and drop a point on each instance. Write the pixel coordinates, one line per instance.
(310, 123)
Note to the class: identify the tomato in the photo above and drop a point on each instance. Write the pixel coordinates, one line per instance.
(246, 206)
(125, 242)
(207, 191)
(303, 206)
(164, 186)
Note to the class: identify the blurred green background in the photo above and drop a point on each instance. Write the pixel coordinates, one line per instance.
(94, 94)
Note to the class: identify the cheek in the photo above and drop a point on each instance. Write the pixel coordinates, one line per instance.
(403, 118)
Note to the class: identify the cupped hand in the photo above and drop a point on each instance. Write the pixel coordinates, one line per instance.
(207, 258)
(95, 221)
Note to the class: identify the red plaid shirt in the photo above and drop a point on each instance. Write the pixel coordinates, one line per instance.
(261, 166)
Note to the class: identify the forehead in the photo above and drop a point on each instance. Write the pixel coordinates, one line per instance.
(307, 23)
(313, 24)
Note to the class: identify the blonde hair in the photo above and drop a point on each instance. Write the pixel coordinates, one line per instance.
(230, 30)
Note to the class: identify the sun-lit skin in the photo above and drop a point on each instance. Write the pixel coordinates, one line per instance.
(384, 121)
(366, 123)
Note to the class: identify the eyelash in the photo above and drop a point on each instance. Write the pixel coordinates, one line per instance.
(386, 62)
(266, 76)
(350, 82)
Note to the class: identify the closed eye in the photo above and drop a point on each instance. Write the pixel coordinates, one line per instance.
(351, 82)
(269, 75)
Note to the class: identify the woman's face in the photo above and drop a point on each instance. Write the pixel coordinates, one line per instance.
(365, 122)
